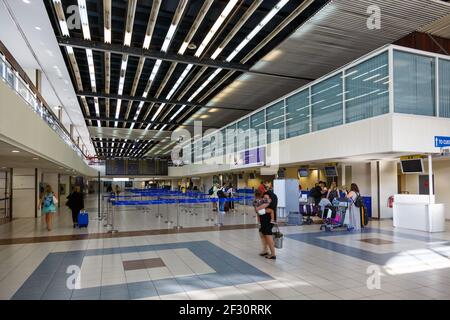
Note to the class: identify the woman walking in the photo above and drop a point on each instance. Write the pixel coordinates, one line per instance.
(48, 206)
(76, 204)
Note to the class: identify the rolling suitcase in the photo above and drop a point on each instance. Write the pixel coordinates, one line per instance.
(83, 219)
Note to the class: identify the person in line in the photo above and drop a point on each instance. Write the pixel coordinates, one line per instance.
(221, 196)
(267, 221)
(48, 205)
(353, 211)
(316, 192)
(333, 192)
(324, 202)
(213, 192)
(117, 190)
(109, 189)
(75, 202)
(231, 194)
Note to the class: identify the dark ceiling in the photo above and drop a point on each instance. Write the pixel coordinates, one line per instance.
(173, 62)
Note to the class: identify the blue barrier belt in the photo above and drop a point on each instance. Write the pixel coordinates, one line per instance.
(174, 201)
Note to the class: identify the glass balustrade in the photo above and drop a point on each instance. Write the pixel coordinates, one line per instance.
(16, 83)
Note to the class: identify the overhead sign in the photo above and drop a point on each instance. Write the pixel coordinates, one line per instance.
(441, 142)
(411, 157)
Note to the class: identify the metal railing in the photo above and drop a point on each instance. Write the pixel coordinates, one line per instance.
(12, 78)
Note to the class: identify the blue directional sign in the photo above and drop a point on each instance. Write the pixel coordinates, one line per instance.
(441, 142)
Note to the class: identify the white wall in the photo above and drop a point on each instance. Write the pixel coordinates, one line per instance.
(441, 170)
(360, 173)
(24, 193)
(33, 134)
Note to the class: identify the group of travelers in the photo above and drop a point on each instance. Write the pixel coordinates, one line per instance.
(49, 200)
(323, 197)
(223, 191)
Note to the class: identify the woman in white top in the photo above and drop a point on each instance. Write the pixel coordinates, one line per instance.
(353, 211)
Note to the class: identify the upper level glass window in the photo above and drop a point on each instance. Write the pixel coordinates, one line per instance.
(231, 146)
(275, 121)
(258, 132)
(367, 89)
(414, 84)
(297, 114)
(444, 88)
(242, 137)
(326, 103)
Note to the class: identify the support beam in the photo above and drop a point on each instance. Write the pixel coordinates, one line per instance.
(145, 122)
(152, 54)
(89, 94)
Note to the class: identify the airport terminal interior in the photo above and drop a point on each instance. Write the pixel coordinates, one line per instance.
(224, 150)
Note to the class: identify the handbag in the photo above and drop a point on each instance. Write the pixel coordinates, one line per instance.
(277, 237)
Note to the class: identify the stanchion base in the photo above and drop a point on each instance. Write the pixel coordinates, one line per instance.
(178, 227)
(113, 231)
(209, 219)
(159, 216)
(168, 222)
(245, 214)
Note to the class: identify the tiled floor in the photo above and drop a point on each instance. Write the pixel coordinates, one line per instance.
(221, 265)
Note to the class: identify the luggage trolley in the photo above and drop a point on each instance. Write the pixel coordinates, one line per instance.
(334, 217)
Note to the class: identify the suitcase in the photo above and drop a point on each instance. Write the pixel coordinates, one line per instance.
(83, 219)
(364, 216)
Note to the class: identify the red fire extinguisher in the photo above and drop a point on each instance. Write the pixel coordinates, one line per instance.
(391, 202)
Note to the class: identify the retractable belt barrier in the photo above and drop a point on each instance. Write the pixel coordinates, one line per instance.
(164, 198)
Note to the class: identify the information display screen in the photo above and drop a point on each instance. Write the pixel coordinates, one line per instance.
(331, 171)
(412, 166)
(147, 167)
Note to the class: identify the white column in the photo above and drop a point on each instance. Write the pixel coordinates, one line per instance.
(430, 178)
(24, 193)
(383, 185)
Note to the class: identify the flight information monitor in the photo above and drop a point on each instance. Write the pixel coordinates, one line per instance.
(143, 167)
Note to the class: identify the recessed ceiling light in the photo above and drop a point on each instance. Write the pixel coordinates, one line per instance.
(192, 46)
(38, 28)
(35, 158)
(15, 151)
(26, 1)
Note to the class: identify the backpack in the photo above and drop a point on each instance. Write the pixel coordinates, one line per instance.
(221, 194)
(211, 191)
(359, 201)
(48, 201)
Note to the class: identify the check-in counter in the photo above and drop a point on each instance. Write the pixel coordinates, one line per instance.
(418, 212)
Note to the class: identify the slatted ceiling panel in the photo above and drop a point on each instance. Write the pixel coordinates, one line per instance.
(336, 35)
(440, 28)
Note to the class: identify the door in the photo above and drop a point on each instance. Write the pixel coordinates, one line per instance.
(5, 195)
(424, 187)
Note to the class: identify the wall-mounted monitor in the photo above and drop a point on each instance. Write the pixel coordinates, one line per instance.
(331, 171)
(412, 166)
(303, 172)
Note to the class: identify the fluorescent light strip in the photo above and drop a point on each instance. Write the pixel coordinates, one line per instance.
(168, 39)
(64, 29)
(107, 35)
(179, 81)
(178, 111)
(84, 19)
(97, 111)
(204, 84)
(158, 111)
(155, 70)
(258, 28)
(215, 27)
(127, 40)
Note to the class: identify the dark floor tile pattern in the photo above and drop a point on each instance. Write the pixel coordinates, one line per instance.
(143, 264)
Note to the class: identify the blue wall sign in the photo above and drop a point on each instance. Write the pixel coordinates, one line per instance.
(441, 142)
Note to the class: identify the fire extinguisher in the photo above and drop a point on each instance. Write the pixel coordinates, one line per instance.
(391, 202)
